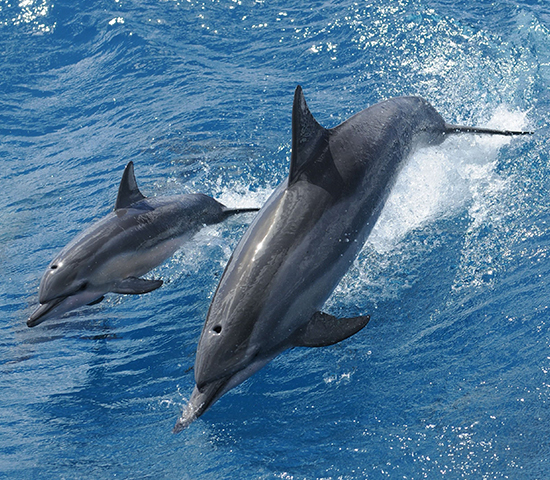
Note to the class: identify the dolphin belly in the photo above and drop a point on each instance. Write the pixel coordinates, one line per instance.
(135, 263)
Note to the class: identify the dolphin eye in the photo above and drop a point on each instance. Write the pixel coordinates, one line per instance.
(53, 267)
(217, 329)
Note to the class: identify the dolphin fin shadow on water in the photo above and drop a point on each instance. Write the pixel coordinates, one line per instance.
(304, 240)
(113, 253)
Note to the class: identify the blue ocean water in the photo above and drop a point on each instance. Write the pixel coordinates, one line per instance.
(451, 378)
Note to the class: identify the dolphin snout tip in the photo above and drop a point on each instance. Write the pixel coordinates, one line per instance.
(36, 317)
(199, 402)
(189, 415)
(44, 311)
(31, 322)
(183, 422)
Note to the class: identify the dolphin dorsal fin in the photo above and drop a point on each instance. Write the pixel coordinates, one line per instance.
(128, 191)
(309, 138)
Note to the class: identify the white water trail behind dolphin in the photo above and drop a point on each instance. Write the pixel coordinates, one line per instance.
(439, 181)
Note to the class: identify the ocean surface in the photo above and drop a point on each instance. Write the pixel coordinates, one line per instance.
(450, 379)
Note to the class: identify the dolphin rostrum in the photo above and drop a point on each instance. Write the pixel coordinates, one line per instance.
(115, 251)
(304, 240)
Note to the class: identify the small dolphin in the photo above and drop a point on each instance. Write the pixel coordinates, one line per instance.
(304, 240)
(115, 251)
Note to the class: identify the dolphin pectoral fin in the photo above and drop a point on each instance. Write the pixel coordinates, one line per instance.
(96, 301)
(136, 286)
(324, 329)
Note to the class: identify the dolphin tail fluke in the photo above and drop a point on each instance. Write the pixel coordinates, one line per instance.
(450, 129)
(228, 212)
(324, 329)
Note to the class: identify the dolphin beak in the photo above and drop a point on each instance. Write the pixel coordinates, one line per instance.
(199, 402)
(39, 315)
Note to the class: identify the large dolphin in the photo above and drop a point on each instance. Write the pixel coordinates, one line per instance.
(115, 251)
(304, 240)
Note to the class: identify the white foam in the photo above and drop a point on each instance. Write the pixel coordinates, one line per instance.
(239, 195)
(35, 13)
(438, 181)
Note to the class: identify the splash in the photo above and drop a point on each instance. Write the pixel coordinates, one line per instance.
(439, 181)
(239, 195)
(456, 178)
(30, 12)
(436, 183)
